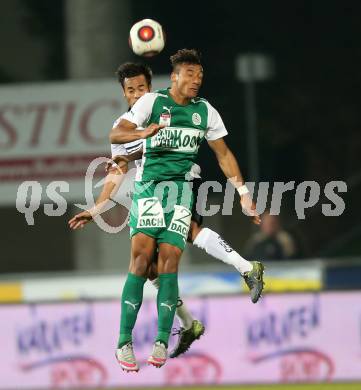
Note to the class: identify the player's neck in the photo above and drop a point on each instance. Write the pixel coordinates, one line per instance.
(178, 98)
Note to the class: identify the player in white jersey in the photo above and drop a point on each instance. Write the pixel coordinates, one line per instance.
(136, 80)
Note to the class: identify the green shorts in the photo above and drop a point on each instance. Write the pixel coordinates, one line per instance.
(162, 210)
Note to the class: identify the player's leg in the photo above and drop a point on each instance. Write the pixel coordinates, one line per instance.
(210, 241)
(190, 328)
(184, 316)
(188, 332)
(168, 260)
(217, 247)
(142, 249)
(171, 241)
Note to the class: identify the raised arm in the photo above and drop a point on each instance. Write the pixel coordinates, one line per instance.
(230, 168)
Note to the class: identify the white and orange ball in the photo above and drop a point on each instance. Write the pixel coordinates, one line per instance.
(147, 38)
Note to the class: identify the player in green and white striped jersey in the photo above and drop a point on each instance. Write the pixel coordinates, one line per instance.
(169, 149)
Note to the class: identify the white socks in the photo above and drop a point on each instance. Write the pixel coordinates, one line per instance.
(215, 246)
(184, 316)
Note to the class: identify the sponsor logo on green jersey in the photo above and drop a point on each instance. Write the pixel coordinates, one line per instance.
(178, 140)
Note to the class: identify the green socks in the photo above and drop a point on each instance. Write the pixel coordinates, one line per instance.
(132, 298)
(166, 303)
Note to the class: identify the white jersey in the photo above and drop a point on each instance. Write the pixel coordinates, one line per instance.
(127, 148)
(137, 145)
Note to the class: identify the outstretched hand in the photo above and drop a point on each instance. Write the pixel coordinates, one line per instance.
(79, 220)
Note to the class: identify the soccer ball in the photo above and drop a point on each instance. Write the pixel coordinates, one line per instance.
(147, 38)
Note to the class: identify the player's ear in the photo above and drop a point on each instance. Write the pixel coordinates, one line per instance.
(174, 77)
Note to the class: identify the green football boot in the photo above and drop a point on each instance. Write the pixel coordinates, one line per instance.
(187, 337)
(254, 280)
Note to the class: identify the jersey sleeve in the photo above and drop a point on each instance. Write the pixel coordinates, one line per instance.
(116, 122)
(128, 116)
(118, 149)
(141, 111)
(215, 125)
(127, 148)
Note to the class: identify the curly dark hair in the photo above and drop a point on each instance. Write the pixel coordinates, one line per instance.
(185, 56)
(130, 69)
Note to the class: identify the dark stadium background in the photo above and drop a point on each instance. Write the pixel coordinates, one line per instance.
(306, 327)
(308, 112)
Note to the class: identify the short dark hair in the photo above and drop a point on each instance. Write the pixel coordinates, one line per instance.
(185, 56)
(130, 69)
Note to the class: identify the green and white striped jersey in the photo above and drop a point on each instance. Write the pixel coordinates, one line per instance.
(170, 154)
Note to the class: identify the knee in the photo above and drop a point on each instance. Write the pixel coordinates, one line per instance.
(168, 264)
(139, 265)
(168, 258)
